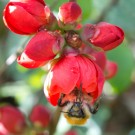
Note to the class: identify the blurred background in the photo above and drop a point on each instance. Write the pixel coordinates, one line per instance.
(24, 87)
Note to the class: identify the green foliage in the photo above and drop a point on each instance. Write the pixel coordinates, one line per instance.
(123, 15)
(123, 56)
(97, 8)
(86, 9)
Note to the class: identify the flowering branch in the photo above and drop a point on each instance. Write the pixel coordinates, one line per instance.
(47, 44)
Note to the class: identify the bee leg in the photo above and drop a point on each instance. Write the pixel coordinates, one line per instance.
(60, 104)
(94, 109)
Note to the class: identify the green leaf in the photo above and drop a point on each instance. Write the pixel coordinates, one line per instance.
(123, 56)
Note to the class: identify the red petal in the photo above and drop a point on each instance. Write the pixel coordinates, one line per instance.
(19, 20)
(63, 76)
(25, 61)
(118, 39)
(26, 1)
(100, 82)
(41, 1)
(100, 59)
(53, 99)
(38, 13)
(111, 69)
(88, 76)
(43, 46)
(3, 130)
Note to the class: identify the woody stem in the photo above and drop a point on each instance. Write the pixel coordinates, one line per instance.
(54, 121)
(106, 10)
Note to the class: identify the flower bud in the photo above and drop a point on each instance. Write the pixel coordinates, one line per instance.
(111, 69)
(40, 116)
(44, 46)
(12, 119)
(104, 35)
(21, 16)
(69, 13)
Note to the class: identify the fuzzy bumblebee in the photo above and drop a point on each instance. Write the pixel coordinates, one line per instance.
(76, 107)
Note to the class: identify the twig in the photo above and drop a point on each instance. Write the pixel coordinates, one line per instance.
(54, 121)
(106, 10)
(11, 59)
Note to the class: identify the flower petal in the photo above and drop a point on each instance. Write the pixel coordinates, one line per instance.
(88, 76)
(63, 76)
(18, 24)
(107, 36)
(111, 69)
(44, 46)
(100, 83)
(53, 99)
(29, 6)
(25, 61)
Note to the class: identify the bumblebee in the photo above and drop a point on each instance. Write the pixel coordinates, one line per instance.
(76, 107)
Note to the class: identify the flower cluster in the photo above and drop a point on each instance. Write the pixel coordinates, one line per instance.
(12, 120)
(76, 52)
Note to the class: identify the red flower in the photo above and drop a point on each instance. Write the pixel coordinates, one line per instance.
(104, 35)
(71, 72)
(26, 16)
(43, 47)
(12, 119)
(69, 13)
(40, 116)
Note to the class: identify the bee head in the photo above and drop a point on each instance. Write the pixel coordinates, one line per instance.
(76, 113)
(76, 110)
